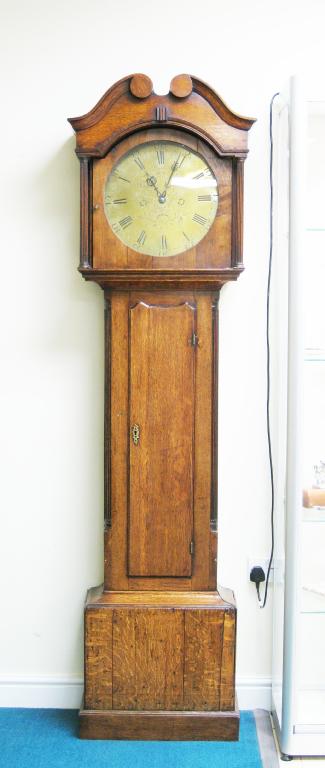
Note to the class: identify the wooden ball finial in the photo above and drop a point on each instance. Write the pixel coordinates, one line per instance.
(181, 86)
(141, 86)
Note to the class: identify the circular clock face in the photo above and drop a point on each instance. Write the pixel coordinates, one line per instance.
(161, 198)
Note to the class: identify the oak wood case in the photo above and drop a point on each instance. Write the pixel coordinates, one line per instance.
(159, 652)
(215, 250)
(170, 504)
(159, 635)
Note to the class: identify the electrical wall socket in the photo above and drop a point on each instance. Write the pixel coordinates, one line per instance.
(263, 562)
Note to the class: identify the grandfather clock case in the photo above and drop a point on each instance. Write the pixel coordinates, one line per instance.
(161, 232)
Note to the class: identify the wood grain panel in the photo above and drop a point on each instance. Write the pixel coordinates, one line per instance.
(202, 663)
(227, 688)
(203, 113)
(157, 584)
(160, 599)
(164, 726)
(162, 388)
(203, 411)
(148, 659)
(107, 418)
(124, 660)
(237, 217)
(98, 659)
(86, 220)
(116, 536)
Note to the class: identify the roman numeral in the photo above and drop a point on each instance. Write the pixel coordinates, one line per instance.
(186, 237)
(161, 156)
(163, 245)
(204, 198)
(125, 222)
(180, 160)
(199, 219)
(138, 161)
(203, 174)
(120, 201)
(142, 237)
(122, 178)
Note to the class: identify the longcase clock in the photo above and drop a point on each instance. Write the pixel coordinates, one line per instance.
(161, 232)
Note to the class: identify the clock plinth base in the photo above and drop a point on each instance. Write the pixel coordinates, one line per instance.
(160, 665)
(159, 726)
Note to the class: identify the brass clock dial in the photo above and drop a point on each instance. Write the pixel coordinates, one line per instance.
(161, 198)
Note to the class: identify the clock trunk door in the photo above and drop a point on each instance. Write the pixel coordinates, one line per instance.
(161, 418)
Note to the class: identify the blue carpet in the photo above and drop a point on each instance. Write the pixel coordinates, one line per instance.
(47, 738)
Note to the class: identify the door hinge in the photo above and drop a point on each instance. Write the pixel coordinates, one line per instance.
(191, 547)
(194, 340)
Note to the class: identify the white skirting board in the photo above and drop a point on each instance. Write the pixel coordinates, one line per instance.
(66, 692)
(254, 692)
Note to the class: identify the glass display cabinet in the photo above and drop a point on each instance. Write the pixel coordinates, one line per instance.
(298, 402)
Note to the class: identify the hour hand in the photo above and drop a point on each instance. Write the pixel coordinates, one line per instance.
(152, 182)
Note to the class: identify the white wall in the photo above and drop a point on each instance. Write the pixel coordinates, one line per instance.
(57, 59)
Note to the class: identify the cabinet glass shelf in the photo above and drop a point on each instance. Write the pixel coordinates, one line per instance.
(317, 357)
(313, 599)
(313, 515)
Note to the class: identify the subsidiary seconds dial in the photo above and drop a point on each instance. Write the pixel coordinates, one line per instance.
(161, 198)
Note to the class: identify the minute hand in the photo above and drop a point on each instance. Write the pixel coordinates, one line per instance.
(174, 166)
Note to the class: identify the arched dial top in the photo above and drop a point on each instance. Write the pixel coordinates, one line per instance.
(161, 198)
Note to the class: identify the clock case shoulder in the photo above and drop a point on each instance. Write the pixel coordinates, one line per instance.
(130, 106)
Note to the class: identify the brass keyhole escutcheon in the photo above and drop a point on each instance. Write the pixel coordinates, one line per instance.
(135, 431)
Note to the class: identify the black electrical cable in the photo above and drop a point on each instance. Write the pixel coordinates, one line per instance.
(269, 443)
